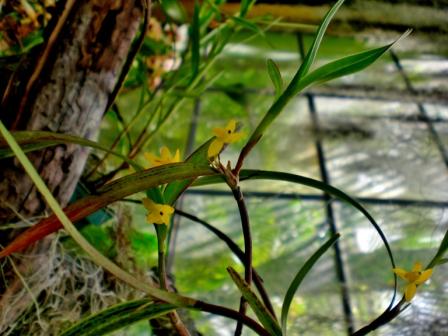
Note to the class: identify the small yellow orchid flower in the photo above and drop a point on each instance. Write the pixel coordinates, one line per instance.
(165, 157)
(224, 135)
(157, 213)
(415, 278)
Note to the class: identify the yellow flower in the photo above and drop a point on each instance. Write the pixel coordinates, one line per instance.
(165, 157)
(158, 213)
(414, 278)
(223, 136)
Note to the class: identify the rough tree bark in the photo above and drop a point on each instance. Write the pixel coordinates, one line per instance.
(67, 92)
(66, 88)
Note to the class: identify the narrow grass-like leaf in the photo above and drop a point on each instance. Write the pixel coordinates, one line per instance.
(347, 65)
(195, 41)
(342, 67)
(248, 25)
(35, 140)
(311, 55)
(440, 252)
(442, 261)
(118, 317)
(97, 257)
(245, 7)
(294, 86)
(114, 191)
(175, 188)
(292, 289)
(276, 77)
(263, 315)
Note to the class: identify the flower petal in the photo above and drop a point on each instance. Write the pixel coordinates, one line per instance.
(231, 126)
(154, 218)
(410, 291)
(424, 276)
(214, 148)
(165, 154)
(417, 267)
(151, 158)
(176, 156)
(401, 273)
(166, 218)
(234, 137)
(167, 209)
(148, 204)
(220, 132)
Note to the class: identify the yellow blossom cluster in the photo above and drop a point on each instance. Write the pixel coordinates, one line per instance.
(161, 213)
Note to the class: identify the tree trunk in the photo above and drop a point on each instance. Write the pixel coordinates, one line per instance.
(68, 92)
(67, 89)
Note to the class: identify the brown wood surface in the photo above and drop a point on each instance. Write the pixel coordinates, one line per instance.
(65, 87)
(67, 92)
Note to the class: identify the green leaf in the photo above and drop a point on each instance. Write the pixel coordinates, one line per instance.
(276, 77)
(295, 85)
(442, 261)
(341, 67)
(440, 252)
(31, 40)
(245, 7)
(195, 41)
(248, 25)
(214, 9)
(311, 55)
(174, 189)
(118, 317)
(263, 315)
(114, 191)
(344, 66)
(219, 39)
(300, 276)
(174, 10)
(35, 140)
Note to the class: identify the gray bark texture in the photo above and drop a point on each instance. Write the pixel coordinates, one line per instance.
(69, 94)
(66, 86)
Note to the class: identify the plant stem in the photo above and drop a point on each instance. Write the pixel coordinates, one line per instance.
(258, 281)
(162, 271)
(234, 315)
(176, 322)
(384, 318)
(244, 152)
(238, 195)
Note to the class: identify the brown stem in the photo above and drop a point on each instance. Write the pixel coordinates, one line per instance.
(237, 194)
(223, 311)
(384, 318)
(244, 152)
